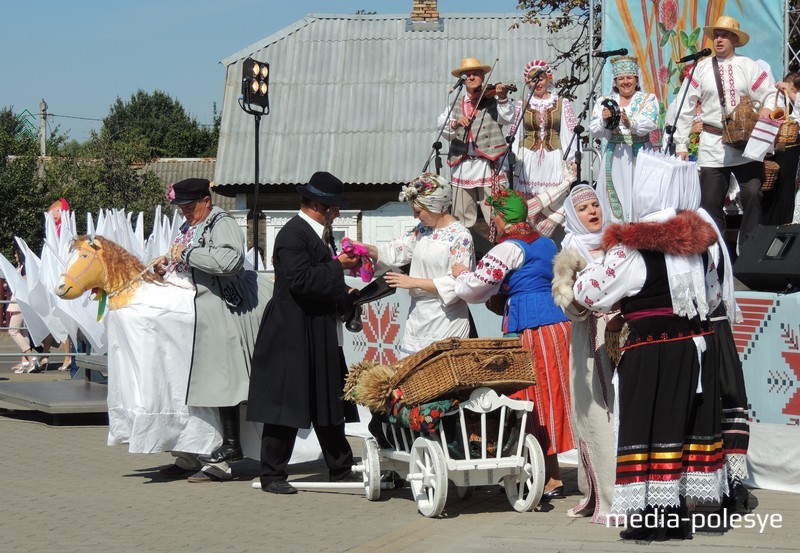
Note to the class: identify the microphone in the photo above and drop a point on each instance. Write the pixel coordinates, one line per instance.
(609, 53)
(696, 56)
(459, 83)
(535, 78)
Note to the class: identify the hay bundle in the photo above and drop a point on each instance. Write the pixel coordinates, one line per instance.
(369, 384)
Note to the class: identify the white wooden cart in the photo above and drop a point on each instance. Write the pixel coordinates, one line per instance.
(425, 461)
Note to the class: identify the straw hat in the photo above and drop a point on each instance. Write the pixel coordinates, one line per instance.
(469, 64)
(726, 23)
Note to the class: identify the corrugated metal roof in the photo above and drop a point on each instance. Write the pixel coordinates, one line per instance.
(172, 169)
(359, 95)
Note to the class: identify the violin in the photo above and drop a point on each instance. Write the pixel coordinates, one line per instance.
(491, 89)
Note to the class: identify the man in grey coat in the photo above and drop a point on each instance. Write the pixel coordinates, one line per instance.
(229, 304)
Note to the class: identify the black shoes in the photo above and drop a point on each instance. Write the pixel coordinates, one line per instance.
(555, 493)
(349, 477)
(226, 453)
(280, 487)
(174, 472)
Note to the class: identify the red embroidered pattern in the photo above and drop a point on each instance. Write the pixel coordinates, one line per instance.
(759, 80)
(491, 270)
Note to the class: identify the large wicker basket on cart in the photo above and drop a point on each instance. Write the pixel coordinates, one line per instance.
(449, 367)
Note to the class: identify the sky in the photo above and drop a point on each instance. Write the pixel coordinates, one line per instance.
(80, 56)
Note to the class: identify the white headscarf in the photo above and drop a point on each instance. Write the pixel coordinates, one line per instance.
(658, 184)
(577, 236)
(428, 191)
(690, 199)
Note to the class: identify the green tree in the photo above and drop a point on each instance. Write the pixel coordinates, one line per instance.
(107, 175)
(110, 175)
(163, 123)
(20, 186)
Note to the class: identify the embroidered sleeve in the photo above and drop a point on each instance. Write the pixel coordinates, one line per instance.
(399, 251)
(462, 251)
(619, 274)
(568, 122)
(645, 120)
(763, 88)
(481, 284)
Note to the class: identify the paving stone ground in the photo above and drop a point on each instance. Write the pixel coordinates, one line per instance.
(64, 490)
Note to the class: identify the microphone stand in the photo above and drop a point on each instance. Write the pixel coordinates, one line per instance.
(578, 131)
(670, 129)
(437, 144)
(512, 136)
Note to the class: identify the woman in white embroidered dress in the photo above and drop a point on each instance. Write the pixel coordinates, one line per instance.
(544, 130)
(591, 370)
(432, 247)
(638, 117)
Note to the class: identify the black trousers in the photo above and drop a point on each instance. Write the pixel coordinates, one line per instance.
(277, 443)
(714, 183)
(778, 203)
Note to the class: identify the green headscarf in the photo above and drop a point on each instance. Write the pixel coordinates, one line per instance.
(509, 205)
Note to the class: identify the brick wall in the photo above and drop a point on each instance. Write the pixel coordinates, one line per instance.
(425, 10)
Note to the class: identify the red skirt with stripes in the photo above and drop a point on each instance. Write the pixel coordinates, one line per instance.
(549, 347)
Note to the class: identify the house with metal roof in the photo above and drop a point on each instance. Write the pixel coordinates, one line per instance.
(359, 95)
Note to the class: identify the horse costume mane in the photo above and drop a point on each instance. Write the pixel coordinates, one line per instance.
(103, 265)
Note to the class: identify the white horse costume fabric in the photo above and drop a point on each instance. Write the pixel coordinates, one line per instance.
(148, 375)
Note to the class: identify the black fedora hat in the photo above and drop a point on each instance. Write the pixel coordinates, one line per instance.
(325, 189)
(190, 190)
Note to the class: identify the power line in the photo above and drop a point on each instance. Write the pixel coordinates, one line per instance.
(73, 117)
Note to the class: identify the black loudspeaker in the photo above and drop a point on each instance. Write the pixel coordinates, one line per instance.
(770, 259)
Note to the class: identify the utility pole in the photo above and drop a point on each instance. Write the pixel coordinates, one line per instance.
(43, 128)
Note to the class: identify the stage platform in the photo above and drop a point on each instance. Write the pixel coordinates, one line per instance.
(56, 397)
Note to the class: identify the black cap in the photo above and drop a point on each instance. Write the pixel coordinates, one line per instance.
(325, 189)
(190, 190)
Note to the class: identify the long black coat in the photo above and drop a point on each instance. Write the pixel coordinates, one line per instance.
(298, 369)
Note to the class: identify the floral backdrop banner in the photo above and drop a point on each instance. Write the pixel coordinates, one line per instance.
(660, 32)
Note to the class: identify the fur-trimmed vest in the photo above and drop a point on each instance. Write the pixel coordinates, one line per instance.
(685, 234)
(485, 133)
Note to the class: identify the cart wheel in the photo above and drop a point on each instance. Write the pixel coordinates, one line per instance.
(372, 470)
(524, 490)
(464, 492)
(427, 474)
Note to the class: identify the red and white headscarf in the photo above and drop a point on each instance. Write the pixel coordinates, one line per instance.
(535, 65)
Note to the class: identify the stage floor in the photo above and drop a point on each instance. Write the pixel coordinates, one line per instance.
(56, 397)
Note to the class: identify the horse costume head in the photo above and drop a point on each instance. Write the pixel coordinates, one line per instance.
(101, 265)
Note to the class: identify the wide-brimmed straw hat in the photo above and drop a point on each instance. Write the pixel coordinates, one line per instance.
(727, 23)
(469, 64)
(325, 189)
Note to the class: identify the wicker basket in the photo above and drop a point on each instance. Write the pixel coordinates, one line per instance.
(789, 129)
(449, 367)
(771, 170)
(739, 123)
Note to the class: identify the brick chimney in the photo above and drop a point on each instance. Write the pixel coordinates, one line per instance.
(425, 10)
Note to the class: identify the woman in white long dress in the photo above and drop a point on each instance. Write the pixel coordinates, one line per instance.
(432, 247)
(591, 370)
(544, 130)
(638, 117)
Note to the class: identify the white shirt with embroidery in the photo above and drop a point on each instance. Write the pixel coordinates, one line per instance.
(432, 252)
(740, 76)
(481, 284)
(621, 273)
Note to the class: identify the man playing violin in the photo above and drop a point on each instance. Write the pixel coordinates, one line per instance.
(477, 142)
